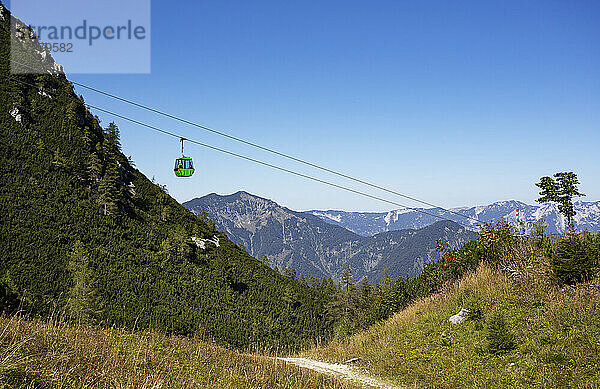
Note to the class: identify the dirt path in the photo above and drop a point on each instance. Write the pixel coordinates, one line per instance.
(339, 370)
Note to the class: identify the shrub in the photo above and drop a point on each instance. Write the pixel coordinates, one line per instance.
(475, 309)
(496, 243)
(576, 258)
(499, 338)
(471, 301)
(541, 239)
(343, 330)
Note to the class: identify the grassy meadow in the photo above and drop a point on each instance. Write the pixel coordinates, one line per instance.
(553, 334)
(56, 354)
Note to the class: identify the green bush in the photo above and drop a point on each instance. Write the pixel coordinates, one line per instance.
(343, 330)
(499, 338)
(496, 243)
(576, 258)
(475, 310)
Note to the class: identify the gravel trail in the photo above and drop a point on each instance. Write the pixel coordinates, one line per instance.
(339, 370)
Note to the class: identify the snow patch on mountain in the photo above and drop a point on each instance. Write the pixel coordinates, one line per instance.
(327, 215)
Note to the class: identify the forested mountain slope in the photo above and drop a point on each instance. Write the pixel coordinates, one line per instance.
(83, 231)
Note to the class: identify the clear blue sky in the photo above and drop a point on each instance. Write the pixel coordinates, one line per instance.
(457, 103)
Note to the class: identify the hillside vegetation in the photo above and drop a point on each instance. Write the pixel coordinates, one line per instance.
(83, 231)
(530, 323)
(55, 354)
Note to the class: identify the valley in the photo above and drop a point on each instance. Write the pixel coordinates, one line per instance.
(314, 248)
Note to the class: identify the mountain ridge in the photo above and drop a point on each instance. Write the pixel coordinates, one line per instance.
(309, 245)
(370, 223)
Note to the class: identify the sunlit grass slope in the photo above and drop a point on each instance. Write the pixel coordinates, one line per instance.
(55, 354)
(556, 334)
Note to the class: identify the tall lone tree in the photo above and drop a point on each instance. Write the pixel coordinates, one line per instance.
(109, 185)
(561, 189)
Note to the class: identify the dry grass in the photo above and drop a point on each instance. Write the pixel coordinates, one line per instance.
(557, 333)
(56, 354)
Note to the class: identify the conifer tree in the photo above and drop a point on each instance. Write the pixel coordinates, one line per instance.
(82, 303)
(109, 187)
(365, 288)
(72, 116)
(58, 160)
(109, 191)
(315, 283)
(560, 190)
(348, 281)
(387, 299)
(94, 163)
(328, 286)
(112, 136)
(95, 167)
(499, 338)
(302, 280)
(289, 297)
(290, 272)
(344, 304)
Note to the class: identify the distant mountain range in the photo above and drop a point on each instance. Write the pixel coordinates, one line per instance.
(370, 223)
(314, 247)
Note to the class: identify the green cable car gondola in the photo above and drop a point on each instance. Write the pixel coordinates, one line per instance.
(184, 166)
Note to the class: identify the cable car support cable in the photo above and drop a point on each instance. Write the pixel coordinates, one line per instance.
(267, 149)
(257, 161)
(267, 164)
